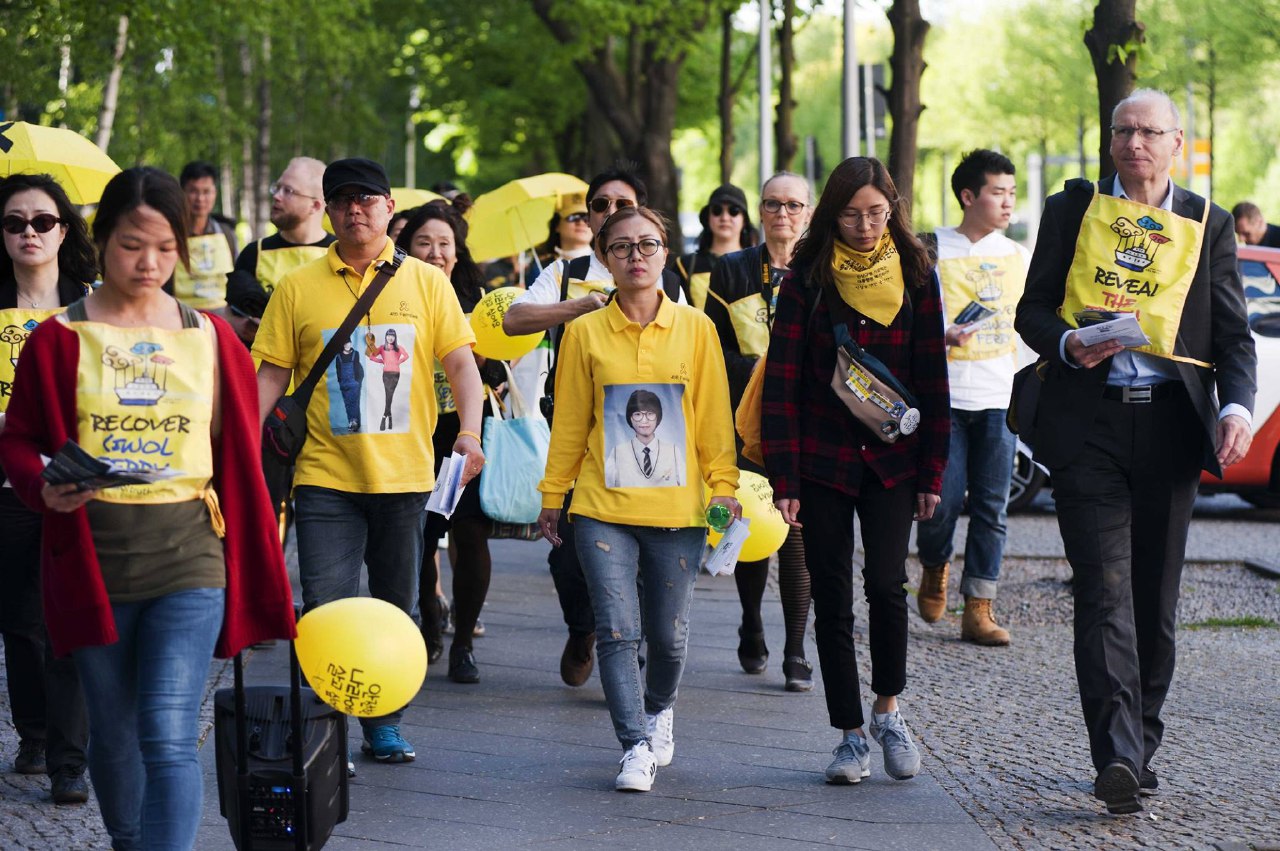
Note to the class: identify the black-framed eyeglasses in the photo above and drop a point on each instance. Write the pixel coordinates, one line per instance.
(646, 247)
(40, 223)
(286, 191)
(732, 209)
(773, 205)
(603, 205)
(852, 218)
(575, 218)
(1148, 134)
(346, 199)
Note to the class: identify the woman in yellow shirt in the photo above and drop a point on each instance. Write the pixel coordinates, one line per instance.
(618, 368)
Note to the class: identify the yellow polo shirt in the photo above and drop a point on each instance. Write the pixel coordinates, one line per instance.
(642, 419)
(369, 429)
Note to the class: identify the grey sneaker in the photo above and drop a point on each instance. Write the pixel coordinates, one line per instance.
(901, 756)
(852, 760)
(662, 736)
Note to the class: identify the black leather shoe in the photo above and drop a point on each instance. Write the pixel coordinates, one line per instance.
(30, 758)
(799, 673)
(1117, 787)
(1148, 783)
(462, 665)
(578, 659)
(69, 787)
(753, 655)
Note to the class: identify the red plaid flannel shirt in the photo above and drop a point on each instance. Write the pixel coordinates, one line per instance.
(807, 432)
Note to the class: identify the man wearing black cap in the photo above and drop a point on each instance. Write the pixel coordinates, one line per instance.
(726, 227)
(360, 492)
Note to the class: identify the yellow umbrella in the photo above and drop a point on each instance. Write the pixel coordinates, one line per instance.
(405, 198)
(81, 168)
(513, 217)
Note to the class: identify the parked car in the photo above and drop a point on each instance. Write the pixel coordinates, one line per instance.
(1257, 477)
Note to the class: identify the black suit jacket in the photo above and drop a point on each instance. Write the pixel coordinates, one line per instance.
(1214, 327)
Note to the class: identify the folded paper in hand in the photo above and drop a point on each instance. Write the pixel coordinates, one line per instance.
(1101, 326)
(974, 314)
(448, 490)
(72, 465)
(724, 558)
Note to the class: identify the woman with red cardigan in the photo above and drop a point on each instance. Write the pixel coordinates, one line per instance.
(143, 584)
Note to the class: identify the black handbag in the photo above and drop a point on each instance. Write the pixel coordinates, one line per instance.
(285, 429)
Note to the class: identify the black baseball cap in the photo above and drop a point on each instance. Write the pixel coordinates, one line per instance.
(727, 194)
(355, 171)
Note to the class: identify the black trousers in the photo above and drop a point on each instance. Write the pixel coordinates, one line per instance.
(1124, 506)
(885, 518)
(44, 693)
(566, 573)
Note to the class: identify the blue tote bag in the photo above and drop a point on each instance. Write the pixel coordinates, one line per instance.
(515, 451)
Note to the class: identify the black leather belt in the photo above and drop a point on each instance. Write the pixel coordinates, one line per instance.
(1140, 395)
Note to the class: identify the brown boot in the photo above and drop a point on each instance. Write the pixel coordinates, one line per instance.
(979, 624)
(578, 659)
(932, 599)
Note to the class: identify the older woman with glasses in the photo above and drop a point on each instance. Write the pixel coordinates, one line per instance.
(859, 273)
(47, 262)
(640, 380)
(742, 296)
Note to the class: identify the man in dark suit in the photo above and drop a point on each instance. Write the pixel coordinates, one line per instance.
(1125, 433)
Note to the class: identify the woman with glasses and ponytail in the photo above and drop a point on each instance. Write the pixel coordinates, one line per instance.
(640, 380)
(47, 264)
(742, 296)
(858, 273)
(726, 227)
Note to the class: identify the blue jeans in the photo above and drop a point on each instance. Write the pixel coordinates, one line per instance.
(667, 561)
(143, 695)
(339, 530)
(981, 462)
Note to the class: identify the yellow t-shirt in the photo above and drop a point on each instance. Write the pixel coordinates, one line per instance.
(642, 419)
(370, 421)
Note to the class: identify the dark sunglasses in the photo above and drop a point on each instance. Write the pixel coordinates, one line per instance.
(602, 205)
(733, 210)
(346, 199)
(574, 218)
(42, 223)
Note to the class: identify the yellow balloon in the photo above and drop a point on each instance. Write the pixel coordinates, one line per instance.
(768, 529)
(486, 322)
(361, 655)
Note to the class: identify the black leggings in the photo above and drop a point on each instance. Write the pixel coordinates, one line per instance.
(390, 381)
(793, 586)
(471, 574)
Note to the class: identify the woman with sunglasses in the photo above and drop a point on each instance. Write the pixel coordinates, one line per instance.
(619, 367)
(437, 234)
(47, 263)
(859, 271)
(742, 295)
(726, 227)
(570, 232)
(145, 582)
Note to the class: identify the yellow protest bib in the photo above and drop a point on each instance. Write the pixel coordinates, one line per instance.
(993, 282)
(275, 263)
(577, 289)
(15, 325)
(699, 283)
(870, 283)
(144, 398)
(206, 286)
(751, 321)
(1132, 258)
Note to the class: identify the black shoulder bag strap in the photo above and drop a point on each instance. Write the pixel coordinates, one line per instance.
(386, 271)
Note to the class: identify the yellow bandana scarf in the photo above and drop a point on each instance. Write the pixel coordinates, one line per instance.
(870, 283)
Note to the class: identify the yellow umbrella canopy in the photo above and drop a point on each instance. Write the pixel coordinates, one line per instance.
(81, 168)
(513, 217)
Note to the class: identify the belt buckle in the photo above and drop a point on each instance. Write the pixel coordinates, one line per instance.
(1135, 395)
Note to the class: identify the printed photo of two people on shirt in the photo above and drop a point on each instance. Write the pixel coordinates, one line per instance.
(370, 381)
(644, 436)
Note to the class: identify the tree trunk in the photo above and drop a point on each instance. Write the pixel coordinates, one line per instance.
(903, 98)
(726, 97)
(262, 163)
(226, 182)
(783, 127)
(111, 93)
(1114, 26)
(652, 148)
(248, 210)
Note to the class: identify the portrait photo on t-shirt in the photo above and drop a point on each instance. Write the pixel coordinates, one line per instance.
(370, 380)
(644, 436)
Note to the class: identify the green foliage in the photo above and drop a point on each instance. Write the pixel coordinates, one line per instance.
(1246, 622)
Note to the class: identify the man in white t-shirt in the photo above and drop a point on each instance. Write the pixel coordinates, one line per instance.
(542, 308)
(983, 273)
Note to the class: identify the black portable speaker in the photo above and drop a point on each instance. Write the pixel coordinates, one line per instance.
(276, 791)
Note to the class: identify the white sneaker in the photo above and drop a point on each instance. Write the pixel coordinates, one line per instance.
(637, 769)
(661, 730)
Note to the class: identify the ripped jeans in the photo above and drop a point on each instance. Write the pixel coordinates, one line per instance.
(667, 561)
